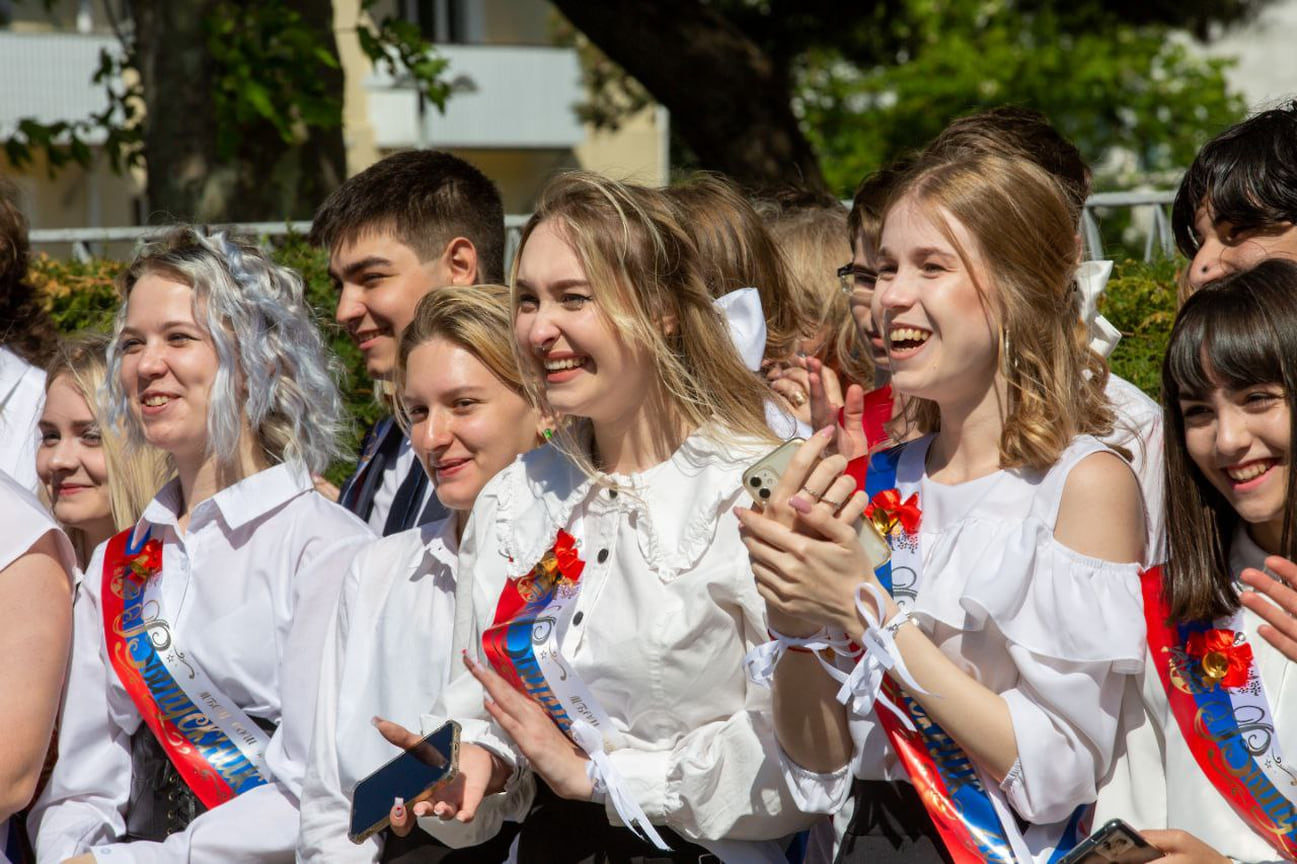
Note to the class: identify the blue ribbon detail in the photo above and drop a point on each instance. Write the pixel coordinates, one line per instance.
(951, 762)
(215, 748)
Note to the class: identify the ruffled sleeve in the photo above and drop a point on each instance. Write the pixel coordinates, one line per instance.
(1071, 628)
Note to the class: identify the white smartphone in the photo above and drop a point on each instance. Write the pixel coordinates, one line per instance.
(760, 480)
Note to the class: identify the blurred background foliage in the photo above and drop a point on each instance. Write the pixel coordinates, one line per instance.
(82, 295)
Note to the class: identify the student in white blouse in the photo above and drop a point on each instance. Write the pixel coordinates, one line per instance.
(216, 359)
(656, 607)
(36, 569)
(1231, 400)
(460, 398)
(1014, 618)
(93, 488)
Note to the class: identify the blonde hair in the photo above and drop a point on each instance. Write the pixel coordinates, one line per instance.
(132, 480)
(736, 251)
(813, 240)
(1021, 222)
(477, 318)
(644, 271)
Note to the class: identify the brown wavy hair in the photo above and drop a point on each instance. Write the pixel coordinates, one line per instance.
(736, 251)
(1022, 223)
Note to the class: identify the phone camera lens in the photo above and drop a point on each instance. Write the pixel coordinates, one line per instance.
(755, 481)
(764, 493)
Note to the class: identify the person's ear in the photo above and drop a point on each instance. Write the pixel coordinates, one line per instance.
(459, 259)
(545, 425)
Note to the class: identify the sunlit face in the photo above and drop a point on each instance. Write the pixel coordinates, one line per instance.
(1240, 441)
(1224, 249)
(70, 460)
(379, 281)
(466, 424)
(586, 368)
(168, 367)
(942, 343)
(864, 278)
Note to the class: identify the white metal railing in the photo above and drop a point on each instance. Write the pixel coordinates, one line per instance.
(84, 241)
(1158, 239)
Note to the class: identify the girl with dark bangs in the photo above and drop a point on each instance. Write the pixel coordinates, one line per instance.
(1237, 203)
(1203, 764)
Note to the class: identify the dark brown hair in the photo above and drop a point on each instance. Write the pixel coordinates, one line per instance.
(1248, 174)
(1015, 132)
(426, 198)
(1236, 333)
(26, 327)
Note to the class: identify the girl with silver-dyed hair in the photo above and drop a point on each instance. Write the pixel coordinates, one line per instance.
(199, 630)
(272, 359)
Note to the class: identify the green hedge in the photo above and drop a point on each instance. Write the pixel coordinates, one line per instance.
(1140, 302)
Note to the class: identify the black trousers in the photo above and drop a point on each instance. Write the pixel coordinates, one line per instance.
(558, 831)
(890, 825)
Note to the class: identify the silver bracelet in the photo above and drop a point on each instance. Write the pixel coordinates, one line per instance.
(899, 620)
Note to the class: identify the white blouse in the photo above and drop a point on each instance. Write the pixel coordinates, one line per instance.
(389, 655)
(22, 398)
(25, 522)
(1157, 782)
(1056, 633)
(1138, 430)
(667, 610)
(250, 586)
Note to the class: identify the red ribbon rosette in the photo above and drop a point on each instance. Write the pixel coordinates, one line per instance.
(141, 566)
(1221, 660)
(890, 515)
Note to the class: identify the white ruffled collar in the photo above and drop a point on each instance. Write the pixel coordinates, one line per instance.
(673, 507)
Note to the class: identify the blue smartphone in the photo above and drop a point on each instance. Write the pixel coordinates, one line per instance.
(433, 760)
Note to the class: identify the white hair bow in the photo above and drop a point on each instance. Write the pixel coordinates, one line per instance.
(747, 322)
(1091, 279)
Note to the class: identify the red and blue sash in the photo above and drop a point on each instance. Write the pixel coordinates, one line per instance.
(1207, 671)
(207, 760)
(942, 773)
(521, 623)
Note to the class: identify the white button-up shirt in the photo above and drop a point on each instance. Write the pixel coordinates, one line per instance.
(667, 610)
(389, 655)
(251, 587)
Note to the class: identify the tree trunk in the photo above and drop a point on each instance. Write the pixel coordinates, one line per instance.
(727, 98)
(266, 178)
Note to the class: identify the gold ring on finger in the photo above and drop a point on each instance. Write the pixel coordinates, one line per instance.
(836, 505)
(811, 492)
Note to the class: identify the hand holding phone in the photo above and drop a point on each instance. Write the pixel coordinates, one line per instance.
(761, 478)
(1114, 843)
(431, 761)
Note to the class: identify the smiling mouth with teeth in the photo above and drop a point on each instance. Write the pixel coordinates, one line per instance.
(1250, 471)
(155, 400)
(565, 363)
(906, 338)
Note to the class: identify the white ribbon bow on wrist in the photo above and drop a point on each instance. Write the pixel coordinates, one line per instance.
(863, 688)
(761, 661)
(604, 772)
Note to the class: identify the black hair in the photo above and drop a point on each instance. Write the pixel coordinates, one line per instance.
(1248, 174)
(427, 198)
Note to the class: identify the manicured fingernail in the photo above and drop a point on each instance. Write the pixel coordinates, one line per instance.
(398, 807)
(799, 505)
(470, 661)
(375, 720)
